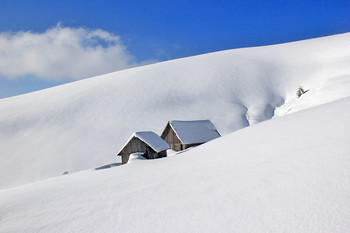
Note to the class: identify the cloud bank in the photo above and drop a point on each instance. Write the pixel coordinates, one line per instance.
(62, 53)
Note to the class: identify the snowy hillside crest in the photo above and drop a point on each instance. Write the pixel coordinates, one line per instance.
(81, 125)
(289, 173)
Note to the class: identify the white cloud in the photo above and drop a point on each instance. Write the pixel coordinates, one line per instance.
(62, 53)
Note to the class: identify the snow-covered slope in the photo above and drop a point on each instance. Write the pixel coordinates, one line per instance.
(289, 174)
(83, 124)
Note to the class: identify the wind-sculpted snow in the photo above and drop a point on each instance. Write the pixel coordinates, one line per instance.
(289, 174)
(83, 124)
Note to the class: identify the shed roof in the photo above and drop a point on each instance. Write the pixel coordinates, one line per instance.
(190, 132)
(151, 139)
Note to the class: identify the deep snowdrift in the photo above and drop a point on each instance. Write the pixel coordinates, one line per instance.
(83, 124)
(289, 174)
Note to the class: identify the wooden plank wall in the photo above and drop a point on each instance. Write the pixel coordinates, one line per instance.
(134, 145)
(171, 138)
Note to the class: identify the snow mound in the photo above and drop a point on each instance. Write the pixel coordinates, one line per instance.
(82, 125)
(289, 174)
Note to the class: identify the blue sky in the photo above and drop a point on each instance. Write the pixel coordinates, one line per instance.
(141, 32)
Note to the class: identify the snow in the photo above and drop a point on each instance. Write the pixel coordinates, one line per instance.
(288, 174)
(194, 131)
(151, 139)
(83, 124)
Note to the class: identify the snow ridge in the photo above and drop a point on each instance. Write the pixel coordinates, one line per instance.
(82, 125)
(289, 174)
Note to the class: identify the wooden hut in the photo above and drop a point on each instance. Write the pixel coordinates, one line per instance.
(181, 135)
(146, 142)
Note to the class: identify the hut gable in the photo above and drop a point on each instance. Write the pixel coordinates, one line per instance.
(183, 134)
(146, 142)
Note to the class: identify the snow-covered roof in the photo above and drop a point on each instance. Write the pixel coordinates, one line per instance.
(190, 132)
(151, 139)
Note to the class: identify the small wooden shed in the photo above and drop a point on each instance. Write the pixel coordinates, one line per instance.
(146, 142)
(181, 135)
